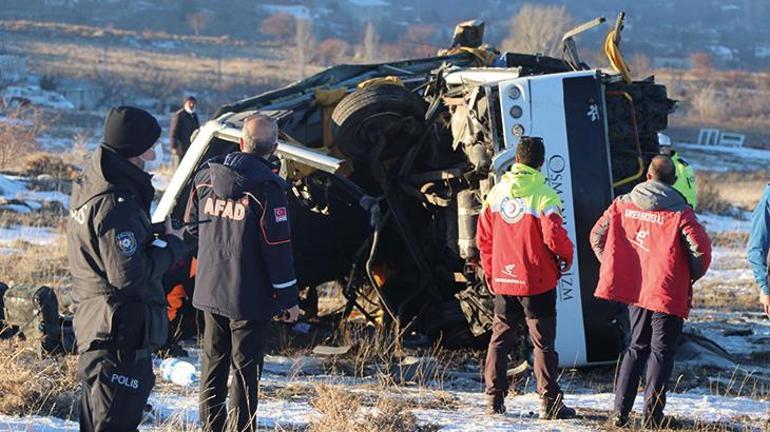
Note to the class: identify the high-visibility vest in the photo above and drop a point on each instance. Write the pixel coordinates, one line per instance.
(685, 180)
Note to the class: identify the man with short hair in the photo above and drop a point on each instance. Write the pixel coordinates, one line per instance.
(245, 271)
(524, 249)
(652, 249)
(117, 265)
(183, 123)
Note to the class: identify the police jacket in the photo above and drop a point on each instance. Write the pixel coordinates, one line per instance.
(112, 257)
(520, 235)
(652, 249)
(245, 267)
(183, 124)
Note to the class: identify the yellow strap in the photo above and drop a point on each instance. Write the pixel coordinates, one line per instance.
(329, 97)
(371, 82)
(612, 50)
(483, 55)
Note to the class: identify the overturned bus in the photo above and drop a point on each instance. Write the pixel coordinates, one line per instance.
(389, 164)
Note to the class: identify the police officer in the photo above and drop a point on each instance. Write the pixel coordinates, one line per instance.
(117, 265)
(685, 175)
(245, 274)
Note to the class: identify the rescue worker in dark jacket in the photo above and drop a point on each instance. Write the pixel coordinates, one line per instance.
(183, 123)
(245, 274)
(117, 265)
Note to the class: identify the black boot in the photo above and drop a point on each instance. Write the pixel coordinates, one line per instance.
(553, 408)
(496, 404)
(619, 420)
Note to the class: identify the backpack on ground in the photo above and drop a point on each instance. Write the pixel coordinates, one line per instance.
(31, 312)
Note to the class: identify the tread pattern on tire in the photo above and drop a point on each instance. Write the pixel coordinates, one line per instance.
(360, 106)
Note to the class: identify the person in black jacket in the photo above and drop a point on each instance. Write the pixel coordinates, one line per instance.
(183, 123)
(245, 271)
(117, 265)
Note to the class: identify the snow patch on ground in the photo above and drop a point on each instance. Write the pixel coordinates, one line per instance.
(39, 236)
(739, 333)
(11, 186)
(743, 152)
(718, 224)
(35, 424)
(723, 159)
(370, 3)
(17, 188)
(471, 416)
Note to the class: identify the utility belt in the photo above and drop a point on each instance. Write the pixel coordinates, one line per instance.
(116, 321)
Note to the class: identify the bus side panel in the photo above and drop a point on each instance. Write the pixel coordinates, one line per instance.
(592, 194)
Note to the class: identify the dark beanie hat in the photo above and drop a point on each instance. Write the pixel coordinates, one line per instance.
(130, 131)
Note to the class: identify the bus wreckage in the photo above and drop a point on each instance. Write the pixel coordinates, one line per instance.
(389, 164)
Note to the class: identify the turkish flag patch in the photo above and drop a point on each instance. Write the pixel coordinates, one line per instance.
(280, 214)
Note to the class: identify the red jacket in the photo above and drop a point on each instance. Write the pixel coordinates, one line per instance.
(651, 249)
(520, 235)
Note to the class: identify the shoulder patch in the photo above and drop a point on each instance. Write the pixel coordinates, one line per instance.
(281, 214)
(126, 243)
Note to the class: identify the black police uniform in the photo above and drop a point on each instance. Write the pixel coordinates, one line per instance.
(245, 276)
(117, 266)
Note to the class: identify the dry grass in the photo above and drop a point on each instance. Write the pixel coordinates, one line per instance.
(739, 189)
(342, 410)
(33, 386)
(86, 31)
(43, 163)
(122, 70)
(710, 199)
(729, 100)
(43, 265)
(19, 131)
(724, 295)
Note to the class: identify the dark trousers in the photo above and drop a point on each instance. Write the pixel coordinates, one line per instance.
(653, 344)
(240, 343)
(117, 376)
(188, 323)
(540, 314)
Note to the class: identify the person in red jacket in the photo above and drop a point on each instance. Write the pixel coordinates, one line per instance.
(524, 248)
(652, 249)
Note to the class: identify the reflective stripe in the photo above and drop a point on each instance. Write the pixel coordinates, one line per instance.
(289, 284)
(524, 209)
(551, 210)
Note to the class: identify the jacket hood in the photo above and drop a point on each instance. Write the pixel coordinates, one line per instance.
(655, 195)
(238, 173)
(523, 179)
(108, 172)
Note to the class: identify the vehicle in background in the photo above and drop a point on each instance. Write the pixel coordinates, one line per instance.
(18, 96)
